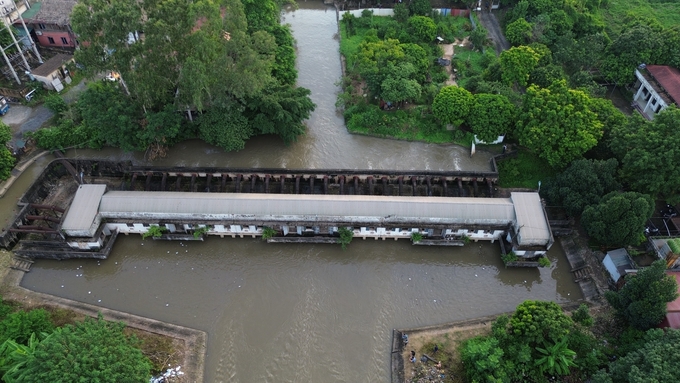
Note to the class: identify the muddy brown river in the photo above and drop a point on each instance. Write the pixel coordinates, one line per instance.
(302, 313)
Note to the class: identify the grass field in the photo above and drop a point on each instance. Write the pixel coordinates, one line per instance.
(666, 12)
(524, 171)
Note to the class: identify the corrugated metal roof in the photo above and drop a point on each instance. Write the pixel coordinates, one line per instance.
(532, 223)
(84, 207)
(52, 64)
(120, 204)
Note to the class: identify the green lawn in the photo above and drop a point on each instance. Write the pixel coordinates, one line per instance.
(524, 171)
(667, 13)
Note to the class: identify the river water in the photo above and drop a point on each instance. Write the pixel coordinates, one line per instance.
(304, 313)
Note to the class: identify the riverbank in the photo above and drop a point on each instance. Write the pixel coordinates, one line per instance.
(189, 343)
(448, 338)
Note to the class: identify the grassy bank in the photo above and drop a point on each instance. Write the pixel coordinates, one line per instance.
(524, 171)
(667, 13)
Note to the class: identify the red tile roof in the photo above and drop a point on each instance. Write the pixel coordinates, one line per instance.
(668, 78)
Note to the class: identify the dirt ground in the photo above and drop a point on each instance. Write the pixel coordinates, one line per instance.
(449, 340)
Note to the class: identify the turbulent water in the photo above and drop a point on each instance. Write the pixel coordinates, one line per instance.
(304, 313)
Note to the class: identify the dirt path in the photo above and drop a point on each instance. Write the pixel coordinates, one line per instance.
(448, 54)
(490, 22)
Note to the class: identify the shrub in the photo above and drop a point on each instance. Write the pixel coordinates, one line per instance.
(346, 236)
(201, 231)
(20, 325)
(416, 237)
(154, 231)
(268, 232)
(544, 262)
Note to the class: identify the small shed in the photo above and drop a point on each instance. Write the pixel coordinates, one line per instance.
(53, 72)
(618, 264)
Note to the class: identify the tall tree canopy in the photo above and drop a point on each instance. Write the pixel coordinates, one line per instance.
(193, 56)
(517, 63)
(557, 123)
(650, 153)
(619, 219)
(642, 300)
(490, 116)
(654, 361)
(452, 105)
(6, 159)
(583, 183)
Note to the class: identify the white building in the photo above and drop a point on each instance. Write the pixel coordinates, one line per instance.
(658, 86)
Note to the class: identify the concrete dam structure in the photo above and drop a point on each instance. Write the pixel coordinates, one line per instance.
(106, 199)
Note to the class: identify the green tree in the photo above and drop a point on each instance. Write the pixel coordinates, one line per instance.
(619, 219)
(479, 37)
(642, 300)
(401, 12)
(106, 110)
(519, 32)
(452, 105)
(19, 326)
(490, 116)
(543, 76)
(517, 63)
(7, 160)
(422, 28)
(582, 316)
(280, 110)
(90, 351)
(654, 361)
(649, 153)
(284, 63)
(583, 183)
(557, 123)
(420, 7)
(483, 360)
(225, 127)
(537, 321)
(631, 48)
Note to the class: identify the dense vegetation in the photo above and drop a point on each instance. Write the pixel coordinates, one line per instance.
(37, 346)
(7, 160)
(195, 65)
(392, 77)
(540, 343)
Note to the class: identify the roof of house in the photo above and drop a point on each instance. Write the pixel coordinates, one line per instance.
(360, 208)
(673, 308)
(617, 262)
(51, 65)
(51, 12)
(669, 78)
(31, 12)
(532, 224)
(84, 207)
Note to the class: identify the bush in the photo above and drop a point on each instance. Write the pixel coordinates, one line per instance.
(154, 231)
(346, 236)
(20, 325)
(544, 262)
(91, 351)
(416, 237)
(268, 232)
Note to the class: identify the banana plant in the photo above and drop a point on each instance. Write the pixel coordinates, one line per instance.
(555, 359)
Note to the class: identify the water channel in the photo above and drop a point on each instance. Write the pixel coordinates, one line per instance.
(303, 313)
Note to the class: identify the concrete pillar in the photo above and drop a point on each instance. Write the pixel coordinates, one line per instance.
(429, 186)
(178, 182)
(446, 187)
(639, 92)
(165, 178)
(253, 179)
(342, 185)
(283, 184)
(297, 184)
(266, 183)
(147, 186)
(238, 183)
(311, 184)
(207, 183)
(325, 184)
(193, 182)
(401, 183)
(370, 186)
(357, 191)
(385, 183)
(649, 102)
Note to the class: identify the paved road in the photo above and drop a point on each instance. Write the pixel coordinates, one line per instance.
(490, 22)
